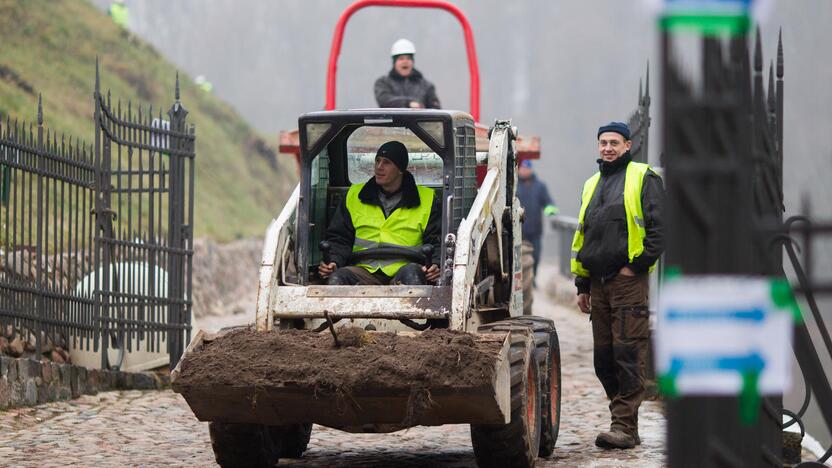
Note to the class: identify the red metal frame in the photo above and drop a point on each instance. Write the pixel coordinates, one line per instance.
(338, 36)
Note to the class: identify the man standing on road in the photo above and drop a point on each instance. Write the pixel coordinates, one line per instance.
(404, 86)
(534, 196)
(387, 210)
(619, 239)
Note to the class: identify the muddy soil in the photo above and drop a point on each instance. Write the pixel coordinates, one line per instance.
(363, 361)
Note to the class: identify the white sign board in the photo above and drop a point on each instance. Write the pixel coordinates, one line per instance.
(712, 332)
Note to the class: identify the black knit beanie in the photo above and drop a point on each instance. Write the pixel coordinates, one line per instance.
(618, 127)
(396, 152)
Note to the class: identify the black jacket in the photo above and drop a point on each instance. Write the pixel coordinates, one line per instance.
(394, 90)
(341, 232)
(534, 196)
(604, 251)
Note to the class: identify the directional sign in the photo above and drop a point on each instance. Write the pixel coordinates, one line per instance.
(724, 335)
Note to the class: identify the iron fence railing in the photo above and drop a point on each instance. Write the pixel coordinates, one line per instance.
(565, 227)
(97, 239)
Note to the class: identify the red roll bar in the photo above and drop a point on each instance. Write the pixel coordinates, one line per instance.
(338, 36)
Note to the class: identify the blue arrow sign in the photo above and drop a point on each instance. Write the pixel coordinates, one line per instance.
(752, 362)
(753, 315)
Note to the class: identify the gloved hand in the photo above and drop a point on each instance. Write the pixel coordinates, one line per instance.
(551, 210)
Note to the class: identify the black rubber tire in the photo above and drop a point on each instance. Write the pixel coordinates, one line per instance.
(515, 444)
(547, 354)
(291, 438)
(527, 265)
(243, 445)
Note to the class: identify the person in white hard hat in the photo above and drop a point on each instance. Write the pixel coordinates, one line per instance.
(404, 86)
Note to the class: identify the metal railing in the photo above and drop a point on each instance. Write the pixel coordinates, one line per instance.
(565, 226)
(97, 239)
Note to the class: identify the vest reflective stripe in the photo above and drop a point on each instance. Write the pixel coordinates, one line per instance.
(403, 228)
(633, 182)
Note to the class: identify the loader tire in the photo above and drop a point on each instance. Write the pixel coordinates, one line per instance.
(547, 354)
(292, 439)
(527, 265)
(515, 444)
(243, 445)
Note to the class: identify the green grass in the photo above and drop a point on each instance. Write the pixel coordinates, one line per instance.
(50, 47)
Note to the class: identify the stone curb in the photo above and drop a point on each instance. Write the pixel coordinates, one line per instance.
(26, 382)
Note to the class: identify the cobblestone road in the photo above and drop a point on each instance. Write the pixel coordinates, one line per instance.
(157, 429)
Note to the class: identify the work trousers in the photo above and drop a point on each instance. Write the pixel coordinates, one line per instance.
(620, 329)
(352, 275)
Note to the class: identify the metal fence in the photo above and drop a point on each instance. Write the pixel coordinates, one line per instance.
(724, 148)
(97, 239)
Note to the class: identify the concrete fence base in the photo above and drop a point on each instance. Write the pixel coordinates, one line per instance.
(26, 382)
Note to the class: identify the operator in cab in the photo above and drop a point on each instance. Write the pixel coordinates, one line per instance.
(404, 86)
(389, 210)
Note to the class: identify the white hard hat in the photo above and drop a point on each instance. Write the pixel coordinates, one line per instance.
(402, 46)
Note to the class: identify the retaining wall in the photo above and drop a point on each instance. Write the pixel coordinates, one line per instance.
(27, 382)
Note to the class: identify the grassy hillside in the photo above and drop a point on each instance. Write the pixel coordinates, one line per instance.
(50, 46)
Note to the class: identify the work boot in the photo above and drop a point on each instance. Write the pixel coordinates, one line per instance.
(615, 439)
(636, 438)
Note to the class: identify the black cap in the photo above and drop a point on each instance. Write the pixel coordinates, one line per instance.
(396, 152)
(618, 127)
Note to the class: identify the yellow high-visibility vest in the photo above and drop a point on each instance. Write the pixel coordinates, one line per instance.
(633, 181)
(403, 228)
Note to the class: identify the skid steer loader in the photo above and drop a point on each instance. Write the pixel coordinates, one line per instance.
(514, 416)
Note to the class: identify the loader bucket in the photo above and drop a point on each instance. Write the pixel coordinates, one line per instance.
(369, 380)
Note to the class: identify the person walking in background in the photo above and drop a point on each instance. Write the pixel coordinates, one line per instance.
(620, 237)
(119, 13)
(535, 199)
(404, 86)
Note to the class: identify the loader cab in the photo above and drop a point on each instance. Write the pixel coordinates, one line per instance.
(338, 148)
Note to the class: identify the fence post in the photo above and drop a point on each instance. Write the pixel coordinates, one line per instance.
(709, 147)
(40, 305)
(176, 218)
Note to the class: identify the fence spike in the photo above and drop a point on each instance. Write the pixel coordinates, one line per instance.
(40, 109)
(771, 101)
(177, 86)
(97, 78)
(780, 54)
(758, 53)
(130, 110)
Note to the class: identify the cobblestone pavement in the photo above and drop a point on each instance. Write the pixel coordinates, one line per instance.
(156, 428)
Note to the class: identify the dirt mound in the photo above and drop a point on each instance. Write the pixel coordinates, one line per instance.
(365, 362)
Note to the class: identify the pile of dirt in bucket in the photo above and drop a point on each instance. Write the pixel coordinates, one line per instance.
(362, 361)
